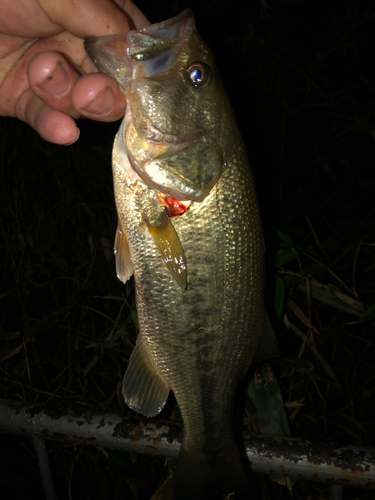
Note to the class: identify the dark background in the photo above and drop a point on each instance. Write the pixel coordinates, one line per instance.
(300, 75)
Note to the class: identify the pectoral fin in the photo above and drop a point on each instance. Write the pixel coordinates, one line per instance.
(143, 389)
(170, 248)
(124, 264)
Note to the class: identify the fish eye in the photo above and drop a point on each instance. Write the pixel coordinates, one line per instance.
(198, 75)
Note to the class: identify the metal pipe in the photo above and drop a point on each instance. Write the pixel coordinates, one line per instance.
(44, 468)
(295, 457)
(336, 492)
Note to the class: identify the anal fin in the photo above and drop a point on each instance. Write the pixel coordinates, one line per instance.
(143, 388)
(169, 245)
(124, 264)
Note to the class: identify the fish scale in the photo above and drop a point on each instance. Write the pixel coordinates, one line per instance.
(198, 275)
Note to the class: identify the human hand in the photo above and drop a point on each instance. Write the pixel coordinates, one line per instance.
(45, 75)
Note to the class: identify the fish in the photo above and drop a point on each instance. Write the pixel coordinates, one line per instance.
(189, 230)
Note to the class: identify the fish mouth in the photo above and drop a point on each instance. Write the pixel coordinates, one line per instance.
(156, 47)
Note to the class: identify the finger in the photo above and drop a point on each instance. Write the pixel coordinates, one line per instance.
(54, 126)
(60, 86)
(53, 80)
(84, 18)
(87, 17)
(97, 96)
(139, 20)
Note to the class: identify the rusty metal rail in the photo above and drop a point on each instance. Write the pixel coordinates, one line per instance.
(299, 458)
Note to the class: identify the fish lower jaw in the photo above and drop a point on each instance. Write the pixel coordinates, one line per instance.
(153, 135)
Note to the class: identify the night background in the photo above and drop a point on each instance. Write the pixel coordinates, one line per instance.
(301, 78)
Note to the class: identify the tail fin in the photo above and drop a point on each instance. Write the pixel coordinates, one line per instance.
(206, 477)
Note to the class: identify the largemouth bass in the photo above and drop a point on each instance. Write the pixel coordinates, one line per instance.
(189, 230)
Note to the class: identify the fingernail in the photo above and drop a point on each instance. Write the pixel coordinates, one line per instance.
(76, 139)
(102, 104)
(57, 83)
